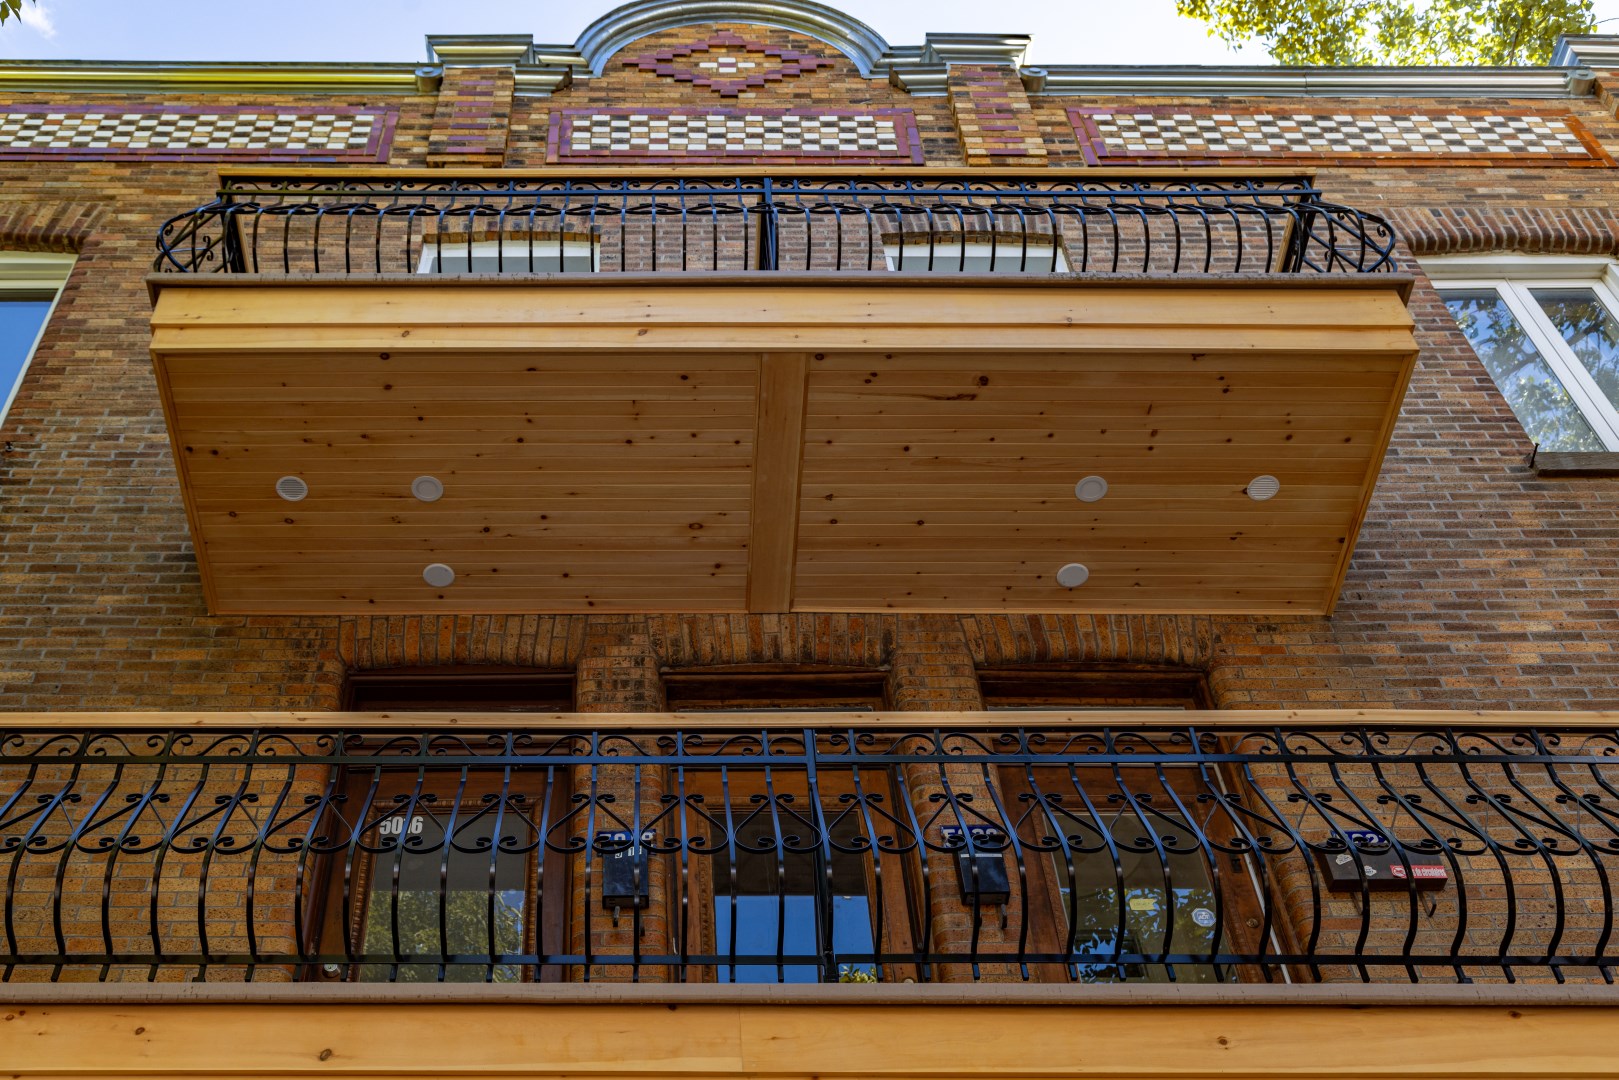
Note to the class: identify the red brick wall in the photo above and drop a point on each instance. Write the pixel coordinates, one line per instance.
(1475, 583)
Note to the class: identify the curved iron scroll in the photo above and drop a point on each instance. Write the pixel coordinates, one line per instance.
(1214, 855)
(366, 225)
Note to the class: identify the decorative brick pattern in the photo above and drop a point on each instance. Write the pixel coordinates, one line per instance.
(1176, 133)
(29, 131)
(994, 118)
(720, 134)
(473, 120)
(728, 64)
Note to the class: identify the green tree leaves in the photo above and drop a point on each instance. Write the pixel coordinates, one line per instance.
(1398, 32)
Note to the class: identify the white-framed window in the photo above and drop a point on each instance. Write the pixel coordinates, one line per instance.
(30, 282)
(1012, 255)
(1547, 330)
(513, 255)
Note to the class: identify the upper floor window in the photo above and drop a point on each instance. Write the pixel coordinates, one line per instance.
(511, 254)
(1012, 254)
(30, 282)
(1547, 332)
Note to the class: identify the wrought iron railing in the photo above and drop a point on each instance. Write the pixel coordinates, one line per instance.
(1155, 853)
(376, 224)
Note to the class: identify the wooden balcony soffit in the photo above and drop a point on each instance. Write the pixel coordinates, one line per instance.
(801, 443)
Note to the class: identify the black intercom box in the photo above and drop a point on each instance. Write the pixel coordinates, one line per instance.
(624, 869)
(990, 886)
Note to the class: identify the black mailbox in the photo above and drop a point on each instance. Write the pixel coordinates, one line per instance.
(1372, 859)
(624, 869)
(982, 873)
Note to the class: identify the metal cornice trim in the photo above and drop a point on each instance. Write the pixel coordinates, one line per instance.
(542, 80)
(1200, 81)
(1587, 50)
(480, 50)
(1006, 50)
(145, 77)
(602, 39)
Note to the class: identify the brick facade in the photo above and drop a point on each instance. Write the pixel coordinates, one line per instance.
(1475, 583)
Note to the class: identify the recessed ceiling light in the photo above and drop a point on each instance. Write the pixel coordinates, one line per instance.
(438, 575)
(1073, 575)
(1090, 489)
(291, 488)
(1261, 488)
(427, 488)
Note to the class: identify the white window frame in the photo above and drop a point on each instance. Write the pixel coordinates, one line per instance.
(1512, 277)
(31, 271)
(947, 255)
(516, 252)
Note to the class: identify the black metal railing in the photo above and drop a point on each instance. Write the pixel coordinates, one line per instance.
(366, 225)
(1159, 853)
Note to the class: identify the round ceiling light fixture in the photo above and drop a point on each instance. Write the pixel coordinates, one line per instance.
(1263, 487)
(427, 488)
(1090, 489)
(438, 575)
(291, 488)
(1073, 575)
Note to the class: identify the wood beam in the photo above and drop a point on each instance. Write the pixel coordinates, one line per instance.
(778, 447)
(792, 1042)
(314, 720)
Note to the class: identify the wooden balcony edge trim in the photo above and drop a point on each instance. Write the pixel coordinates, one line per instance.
(1348, 995)
(159, 280)
(786, 719)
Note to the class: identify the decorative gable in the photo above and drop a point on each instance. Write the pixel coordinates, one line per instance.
(728, 64)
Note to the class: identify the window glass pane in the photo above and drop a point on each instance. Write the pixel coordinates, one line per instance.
(20, 321)
(772, 903)
(1535, 393)
(1184, 915)
(514, 260)
(1008, 258)
(1590, 330)
(466, 893)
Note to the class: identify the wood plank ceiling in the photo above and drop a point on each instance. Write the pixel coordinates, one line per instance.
(666, 445)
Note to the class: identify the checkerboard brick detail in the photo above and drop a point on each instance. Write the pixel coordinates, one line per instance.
(656, 135)
(160, 131)
(728, 64)
(994, 118)
(473, 119)
(1146, 134)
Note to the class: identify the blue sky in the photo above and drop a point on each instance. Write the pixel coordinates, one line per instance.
(1065, 31)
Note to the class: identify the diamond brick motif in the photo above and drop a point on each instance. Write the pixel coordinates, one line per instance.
(728, 64)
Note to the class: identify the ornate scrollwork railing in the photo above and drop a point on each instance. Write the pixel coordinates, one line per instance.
(365, 225)
(1058, 853)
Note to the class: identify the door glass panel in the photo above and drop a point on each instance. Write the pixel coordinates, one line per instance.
(1183, 914)
(1590, 330)
(1534, 391)
(470, 897)
(771, 900)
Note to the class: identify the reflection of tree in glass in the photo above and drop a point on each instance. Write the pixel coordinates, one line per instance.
(1589, 330)
(1536, 395)
(467, 926)
(1146, 917)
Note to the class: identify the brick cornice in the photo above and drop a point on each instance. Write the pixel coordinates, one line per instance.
(1453, 230)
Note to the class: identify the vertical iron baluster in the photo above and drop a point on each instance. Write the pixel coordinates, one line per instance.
(495, 840)
(730, 866)
(444, 874)
(170, 837)
(879, 923)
